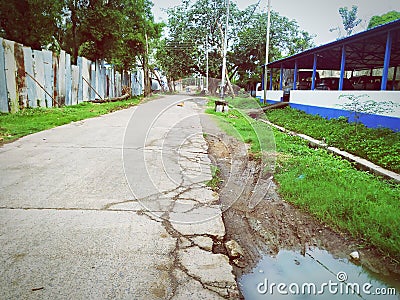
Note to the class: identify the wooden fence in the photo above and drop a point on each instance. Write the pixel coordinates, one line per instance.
(31, 78)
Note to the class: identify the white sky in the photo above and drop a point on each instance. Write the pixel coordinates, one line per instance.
(313, 16)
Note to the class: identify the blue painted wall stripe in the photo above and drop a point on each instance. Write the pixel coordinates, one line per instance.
(369, 120)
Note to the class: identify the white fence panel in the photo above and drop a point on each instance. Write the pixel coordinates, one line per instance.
(118, 82)
(86, 74)
(3, 84)
(31, 78)
(10, 70)
(61, 78)
(29, 81)
(68, 80)
(74, 84)
(48, 76)
(112, 82)
(38, 69)
(93, 82)
(79, 63)
(101, 79)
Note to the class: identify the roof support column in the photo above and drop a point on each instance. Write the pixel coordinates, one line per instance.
(295, 75)
(342, 67)
(314, 73)
(270, 81)
(281, 78)
(263, 84)
(387, 61)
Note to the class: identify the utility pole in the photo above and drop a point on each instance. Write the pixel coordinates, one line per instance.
(224, 52)
(207, 63)
(267, 52)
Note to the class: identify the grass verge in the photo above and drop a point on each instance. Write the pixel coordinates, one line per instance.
(330, 188)
(28, 121)
(379, 145)
(215, 180)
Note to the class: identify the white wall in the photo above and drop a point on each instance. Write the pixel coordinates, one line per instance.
(330, 99)
(271, 95)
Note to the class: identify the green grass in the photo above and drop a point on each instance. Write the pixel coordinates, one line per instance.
(330, 188)
(214, 182)
(28, 121)
(335, 193)
(238, 124)
(240, 103)
(381, 145)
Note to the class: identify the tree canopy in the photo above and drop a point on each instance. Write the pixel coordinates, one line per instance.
(195, 27)
(33, 23)
(383, 19)
(349, 18)
(123, 32)
(114, 30)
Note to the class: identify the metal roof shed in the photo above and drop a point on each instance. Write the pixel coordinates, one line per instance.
(378, 47)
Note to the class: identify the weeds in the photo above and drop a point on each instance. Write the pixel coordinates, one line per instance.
(327, 187)
(214, 182)
(379, 145)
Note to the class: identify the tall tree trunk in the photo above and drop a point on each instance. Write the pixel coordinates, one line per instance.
(229, 84)
(147, 80)
(227, 75)
(159, 80)
(74, 19)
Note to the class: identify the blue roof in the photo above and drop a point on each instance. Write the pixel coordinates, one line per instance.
(364, 50)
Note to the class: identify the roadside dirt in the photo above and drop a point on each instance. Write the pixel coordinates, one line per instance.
(272, 224)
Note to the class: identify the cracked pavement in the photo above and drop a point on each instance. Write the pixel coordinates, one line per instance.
(114, 207)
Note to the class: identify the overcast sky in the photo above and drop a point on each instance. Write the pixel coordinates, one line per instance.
(313, 16)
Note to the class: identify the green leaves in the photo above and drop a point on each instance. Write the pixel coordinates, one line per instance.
(111, 30)
(383, 19)
(349, 18)
(30, 22)
(381, 145)
(195, 27)
(286, 38)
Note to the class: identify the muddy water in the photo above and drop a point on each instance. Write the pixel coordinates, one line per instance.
(271, 232)
(315, 275)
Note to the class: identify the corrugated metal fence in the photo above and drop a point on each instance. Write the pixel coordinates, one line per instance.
(31, 78)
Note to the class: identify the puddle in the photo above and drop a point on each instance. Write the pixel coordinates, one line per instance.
(317, 275)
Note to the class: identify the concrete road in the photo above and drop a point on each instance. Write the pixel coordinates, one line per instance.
(114, 207)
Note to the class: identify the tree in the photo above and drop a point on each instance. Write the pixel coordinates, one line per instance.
(383, 19)
(110, 30)
(33, 23)
(349, 18)
(286, 38)
(195, 27)
(118, 31)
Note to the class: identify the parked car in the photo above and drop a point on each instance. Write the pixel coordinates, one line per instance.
(366, 82)
(304, 81)
(332, 83)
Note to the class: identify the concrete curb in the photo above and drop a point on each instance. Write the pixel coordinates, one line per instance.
(361, 163)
